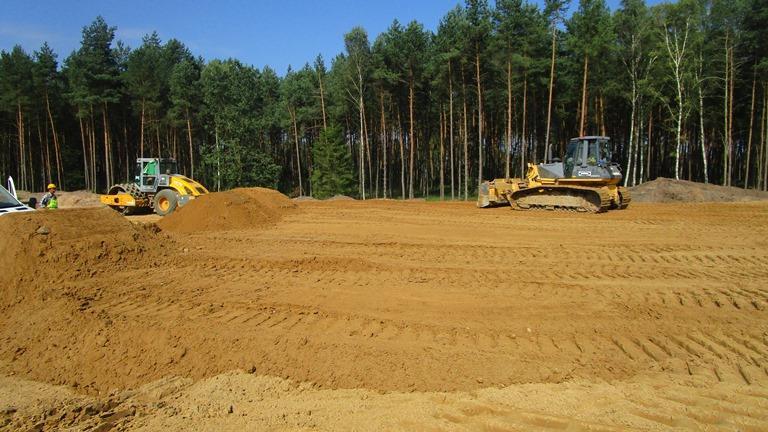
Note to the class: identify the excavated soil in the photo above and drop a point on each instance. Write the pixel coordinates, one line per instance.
(249, 208)
(664, 190)
(73, 199)
(387, 315)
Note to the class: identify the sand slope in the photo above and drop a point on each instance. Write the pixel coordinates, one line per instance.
(246, 208)
(666, 190)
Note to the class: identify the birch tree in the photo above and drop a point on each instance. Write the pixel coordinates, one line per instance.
(675, 25)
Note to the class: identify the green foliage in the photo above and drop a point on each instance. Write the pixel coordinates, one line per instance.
(184, 89)
(238, 164)
(234, 97)
(92, 70)
(15, 87)
(333, 172)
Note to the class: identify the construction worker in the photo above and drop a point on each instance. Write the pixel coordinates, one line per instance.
(49, 199)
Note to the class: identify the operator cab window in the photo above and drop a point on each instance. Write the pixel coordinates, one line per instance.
(606, 155)
(149, 174)
(593, 154)
(599, 153)
(168, 166)
(573, 157)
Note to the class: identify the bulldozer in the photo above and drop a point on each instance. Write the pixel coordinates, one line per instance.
(156, 187)
(588, 181)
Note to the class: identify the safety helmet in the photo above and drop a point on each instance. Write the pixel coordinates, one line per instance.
(51, 186)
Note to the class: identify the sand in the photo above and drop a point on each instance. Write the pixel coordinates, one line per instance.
(666, 190)
(247, 208)
(387, 315)
(71, 199)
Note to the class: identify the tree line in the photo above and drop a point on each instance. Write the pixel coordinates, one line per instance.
(681, 88)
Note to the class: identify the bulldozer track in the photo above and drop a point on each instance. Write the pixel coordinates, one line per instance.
(593, 200)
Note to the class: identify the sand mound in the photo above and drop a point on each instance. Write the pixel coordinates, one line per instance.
(48, 246)
(78, 199)
(666, 190)
(74, 199)
(231, 210)
(340, 198)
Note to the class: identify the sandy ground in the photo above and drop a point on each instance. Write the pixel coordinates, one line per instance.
(401, 316)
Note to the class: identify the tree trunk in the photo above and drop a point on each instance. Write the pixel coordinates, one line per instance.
(602, 114)
(551, 88)
(730, 119)
(679, 125)
(56, 146)
(509, 116)
(584, 104)
(629, 167)
(450, 127)
(524, 137)
(384, 141)
(443, 127)
(764, 133)
(637, 151)
(322, 99)
(361, 176)
(141, 128)
(650, 141)
(762, 146)
(45, 155)
(751, 125)
(85, 155)
(466, 139)
(157, 137)
(191, 149)
(411, 138)
(639, 141)
(107, 149)
(92, 133)
(726, 88)
(22, 147)
(677, 56)
(402, 154)
(479, 118)
(702, 135)
(218, 160)
(292, 112)
(367, 148)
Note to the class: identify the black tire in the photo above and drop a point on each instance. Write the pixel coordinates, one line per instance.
(166, 202)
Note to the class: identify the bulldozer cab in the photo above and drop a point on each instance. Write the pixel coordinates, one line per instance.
(154, 173)
(589, 157)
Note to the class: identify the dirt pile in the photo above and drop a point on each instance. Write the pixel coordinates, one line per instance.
(74, 199)
(48, 246)
(664, 190)
(231, 210)
(340, 198)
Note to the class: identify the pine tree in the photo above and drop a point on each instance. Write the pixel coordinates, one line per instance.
(333, 172)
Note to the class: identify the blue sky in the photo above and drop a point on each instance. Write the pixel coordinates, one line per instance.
(260, 32)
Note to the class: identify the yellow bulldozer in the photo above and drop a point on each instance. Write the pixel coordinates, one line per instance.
(588, 181)
(157, 187)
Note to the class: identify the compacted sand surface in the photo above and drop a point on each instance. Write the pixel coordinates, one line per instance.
(386, 315)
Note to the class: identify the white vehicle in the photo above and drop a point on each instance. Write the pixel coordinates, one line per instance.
(9, 203)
